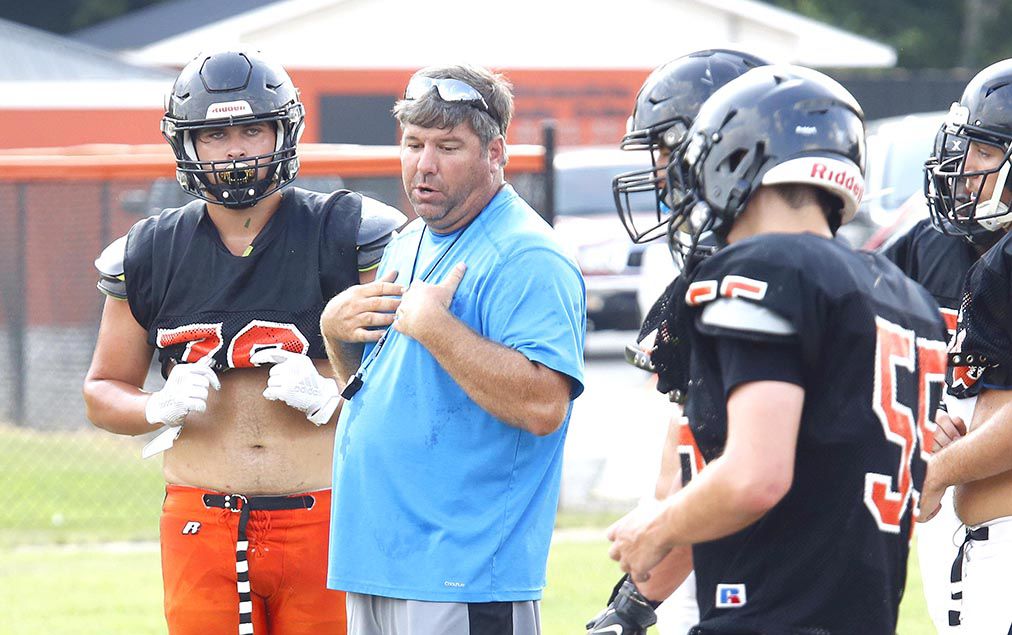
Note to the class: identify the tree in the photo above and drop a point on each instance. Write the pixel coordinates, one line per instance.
(68, 15)
(925, 33)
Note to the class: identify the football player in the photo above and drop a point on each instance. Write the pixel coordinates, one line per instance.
(938, 257)
(665, 107)
(229, 290)
(813, 369)
(972, 197)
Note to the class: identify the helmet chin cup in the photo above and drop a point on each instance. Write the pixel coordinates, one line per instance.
(994, 215)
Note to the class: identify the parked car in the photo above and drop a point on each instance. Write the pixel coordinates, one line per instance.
(586, 222)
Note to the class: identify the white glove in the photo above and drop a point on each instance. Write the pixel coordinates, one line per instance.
(185, 391)
(295, 381)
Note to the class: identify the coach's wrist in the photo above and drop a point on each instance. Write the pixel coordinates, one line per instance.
(435, 325)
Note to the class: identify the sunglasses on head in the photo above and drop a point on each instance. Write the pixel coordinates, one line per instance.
(449, 90)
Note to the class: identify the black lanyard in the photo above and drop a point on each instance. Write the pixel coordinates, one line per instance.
(356, 381)
(418, 250)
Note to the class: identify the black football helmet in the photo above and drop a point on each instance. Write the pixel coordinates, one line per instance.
(233, 88)
(979, 123)
(773, 125)
(665, 107)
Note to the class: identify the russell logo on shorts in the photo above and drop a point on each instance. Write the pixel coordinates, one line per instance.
(191, 528)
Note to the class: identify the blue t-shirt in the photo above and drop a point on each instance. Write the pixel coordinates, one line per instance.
(434, 498)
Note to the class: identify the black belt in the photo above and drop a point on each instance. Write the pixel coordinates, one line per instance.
(956, 574)
(243, 505)
(237, 502)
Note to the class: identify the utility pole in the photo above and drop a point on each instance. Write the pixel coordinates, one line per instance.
(976, 13)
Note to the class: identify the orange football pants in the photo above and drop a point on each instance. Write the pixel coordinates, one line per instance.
(287, 557)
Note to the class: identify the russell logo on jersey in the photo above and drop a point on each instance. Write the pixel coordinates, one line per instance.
(730, 596)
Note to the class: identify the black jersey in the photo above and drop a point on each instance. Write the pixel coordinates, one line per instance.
(981, 352)
(939, 262)
(867, 345)
(196, 299)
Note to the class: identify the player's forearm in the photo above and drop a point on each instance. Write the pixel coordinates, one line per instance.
(116, 406)
(985, 452)
(718, 502)
(676, 566)
(669, 478)
(668, 575)
(501, 380)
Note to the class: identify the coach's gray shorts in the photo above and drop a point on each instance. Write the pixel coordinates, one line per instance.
(375, 615)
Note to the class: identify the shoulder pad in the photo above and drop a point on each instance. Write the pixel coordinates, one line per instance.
(379, 222)
(776, 286)
(737, 314)
(110, 261)
(110, 269)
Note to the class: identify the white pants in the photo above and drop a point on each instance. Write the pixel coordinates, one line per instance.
(679, 612)
(987, 571)
(938, 543)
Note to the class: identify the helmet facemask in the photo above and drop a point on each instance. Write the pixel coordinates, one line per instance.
(691, 222)
(661, 141)
(239, 183)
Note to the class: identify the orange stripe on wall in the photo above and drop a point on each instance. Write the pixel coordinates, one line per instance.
(589, 108)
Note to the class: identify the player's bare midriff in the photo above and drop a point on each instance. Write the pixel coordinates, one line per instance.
(984, 500)
(245, 444)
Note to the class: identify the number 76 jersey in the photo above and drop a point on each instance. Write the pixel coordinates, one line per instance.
(867, 345)
(196, 299)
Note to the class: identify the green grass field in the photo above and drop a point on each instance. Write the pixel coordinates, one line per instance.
(96, 591)
(63, 495)
(76, 487)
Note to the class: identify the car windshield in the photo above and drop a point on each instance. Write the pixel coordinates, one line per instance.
(586, 190)
(897, 149)
(903, 175)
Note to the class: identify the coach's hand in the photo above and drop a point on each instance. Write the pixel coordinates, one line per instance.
(425, 306)
(350, 314)
(185, 391)
(294, 380)
(628, 612)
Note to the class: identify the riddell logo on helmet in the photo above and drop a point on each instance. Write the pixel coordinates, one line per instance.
(229, 109)
(843, 178)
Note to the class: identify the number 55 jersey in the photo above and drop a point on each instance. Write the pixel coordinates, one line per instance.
(867, 345)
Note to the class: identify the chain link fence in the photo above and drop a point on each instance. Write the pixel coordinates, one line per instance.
(62, 479)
